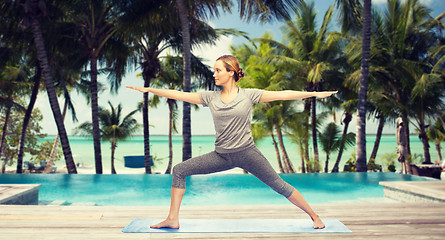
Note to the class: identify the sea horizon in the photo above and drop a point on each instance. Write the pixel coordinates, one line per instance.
(205, 135)
(83, 151)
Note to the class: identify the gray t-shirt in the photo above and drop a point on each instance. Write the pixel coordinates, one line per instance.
(232, 120)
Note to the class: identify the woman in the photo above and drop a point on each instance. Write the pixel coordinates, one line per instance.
(234, 147)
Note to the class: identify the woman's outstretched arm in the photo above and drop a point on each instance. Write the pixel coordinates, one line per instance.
(173, 94)
(269, 96)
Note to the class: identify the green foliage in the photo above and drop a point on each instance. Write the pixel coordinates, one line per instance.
(113, 125)
(389, 159)
(44, 152)
(36, 150)
(313, 166)
(416, 158)
(373, 166)
(350, 165)
(157, 161)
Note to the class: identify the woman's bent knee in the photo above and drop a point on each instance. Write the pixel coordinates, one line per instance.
(178, 177)
(282, 187)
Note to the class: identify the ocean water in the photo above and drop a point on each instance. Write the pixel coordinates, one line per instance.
(83, 152)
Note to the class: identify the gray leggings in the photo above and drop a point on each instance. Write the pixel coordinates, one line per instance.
(251, 160)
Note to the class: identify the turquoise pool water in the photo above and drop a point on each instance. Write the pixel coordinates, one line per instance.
(213, 189)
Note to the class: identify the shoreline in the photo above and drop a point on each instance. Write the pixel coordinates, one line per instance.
(203, 135)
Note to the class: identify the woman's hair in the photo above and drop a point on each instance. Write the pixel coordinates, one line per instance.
(232, 64)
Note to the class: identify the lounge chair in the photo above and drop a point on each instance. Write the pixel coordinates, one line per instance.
(31, 167)
(430, 171)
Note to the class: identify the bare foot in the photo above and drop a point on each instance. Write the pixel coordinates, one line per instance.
(318, 224)
(167, 223)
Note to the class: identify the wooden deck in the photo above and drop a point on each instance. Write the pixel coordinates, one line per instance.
(365, 220)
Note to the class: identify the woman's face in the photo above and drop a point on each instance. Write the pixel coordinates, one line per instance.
(221, 75)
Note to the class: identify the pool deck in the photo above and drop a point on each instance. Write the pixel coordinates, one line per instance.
(378, 220)
(413, 191)
(23, 194)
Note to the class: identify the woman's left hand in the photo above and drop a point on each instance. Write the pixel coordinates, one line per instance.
(325, 94)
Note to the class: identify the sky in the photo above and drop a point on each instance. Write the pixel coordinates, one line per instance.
(202, 123)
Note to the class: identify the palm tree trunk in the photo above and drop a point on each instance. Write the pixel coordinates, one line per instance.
(408, 145)
(27, 117)
(146, 123)
(426, 146)
(52, 156)
(170, 143)
(346, 121)
(95, 115)
(439, 153)
(113, 150)
(5, 127)
(378, 137)
(277, 151)
(363, 89)
(49, 83)
(326, 165)
(288, 165)
(307, 110)
(306, 155)
(303, 169)
(314, 131)
(186, 115)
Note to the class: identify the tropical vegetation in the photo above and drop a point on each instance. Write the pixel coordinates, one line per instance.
(387, 63)
(113, 127)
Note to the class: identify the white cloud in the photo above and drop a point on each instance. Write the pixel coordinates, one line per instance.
(210, 53)
(379, 1)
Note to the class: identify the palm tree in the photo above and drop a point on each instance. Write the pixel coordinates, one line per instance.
(352, 15)
(15, 46)
(297, 130)
(349, 108)
(330, 141)
(27, 117)
(186, 54)
(114, 128)
(427, 98)
(402, 64)
(171, 78)
(363, 89)
(436, 134)
(33, 10)
(69, 66)
(311, 50)
(12, 82)
(155, 33)
(70, 78)
(97, 25)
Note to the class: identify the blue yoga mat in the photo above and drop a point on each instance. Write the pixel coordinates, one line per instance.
(238, 226)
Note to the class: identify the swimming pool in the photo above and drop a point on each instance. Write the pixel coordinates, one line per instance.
(213, 189)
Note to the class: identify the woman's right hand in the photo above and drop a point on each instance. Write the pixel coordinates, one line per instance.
(140, 89)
